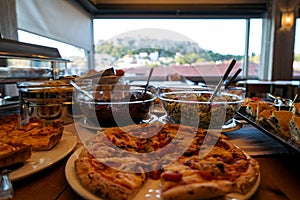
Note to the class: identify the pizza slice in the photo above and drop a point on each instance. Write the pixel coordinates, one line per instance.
(225, 170)
(11, 153)
(105, 181)
(39, 138)
(179, 181)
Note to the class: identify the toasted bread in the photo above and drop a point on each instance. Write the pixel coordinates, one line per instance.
(264, 121)
(296, 109)
(295, 129)
(266, 114)
(264, 106)
(251, 110)
(280, 121)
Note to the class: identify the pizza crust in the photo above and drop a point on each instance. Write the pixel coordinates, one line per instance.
(195, 191)
(247, 179)
(114, 184)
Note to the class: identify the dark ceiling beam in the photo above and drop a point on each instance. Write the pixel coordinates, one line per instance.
(173, 10)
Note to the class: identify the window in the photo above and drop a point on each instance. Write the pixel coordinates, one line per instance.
(196, 47)
(296, 64)
(77, 56)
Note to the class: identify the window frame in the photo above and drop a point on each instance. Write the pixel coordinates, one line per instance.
(216, 78)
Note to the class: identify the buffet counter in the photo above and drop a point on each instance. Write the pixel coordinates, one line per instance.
(280, 175)
(280, 88)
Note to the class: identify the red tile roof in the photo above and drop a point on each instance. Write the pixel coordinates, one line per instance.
(206, 69)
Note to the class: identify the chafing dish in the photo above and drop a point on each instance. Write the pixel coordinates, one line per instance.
(48, 100)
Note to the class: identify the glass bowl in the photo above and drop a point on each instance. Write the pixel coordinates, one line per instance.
(115, 105)
(191, 105)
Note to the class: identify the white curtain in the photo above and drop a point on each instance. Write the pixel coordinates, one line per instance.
(60, 20)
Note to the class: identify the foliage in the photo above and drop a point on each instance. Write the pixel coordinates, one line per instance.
(189, 52)
(297, 57)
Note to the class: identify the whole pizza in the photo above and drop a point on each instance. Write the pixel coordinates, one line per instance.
(189, 163)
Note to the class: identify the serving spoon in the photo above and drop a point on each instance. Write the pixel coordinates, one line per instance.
(81, 90)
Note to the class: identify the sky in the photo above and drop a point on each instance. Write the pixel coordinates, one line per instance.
(64, 49)
(220, 36)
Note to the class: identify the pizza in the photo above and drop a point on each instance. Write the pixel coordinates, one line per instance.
(189, 163)
(107, 182)
(13, 153)
(37, 134)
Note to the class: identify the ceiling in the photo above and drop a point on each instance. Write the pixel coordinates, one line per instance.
(171, 8)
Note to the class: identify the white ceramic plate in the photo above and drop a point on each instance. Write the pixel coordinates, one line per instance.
(73, 180)
(149, 191)
(40, 160)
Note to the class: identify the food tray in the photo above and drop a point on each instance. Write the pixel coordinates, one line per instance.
(277, 138)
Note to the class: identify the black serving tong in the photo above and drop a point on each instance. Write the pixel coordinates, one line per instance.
(221, 82)
(228, 82)
(148, 80)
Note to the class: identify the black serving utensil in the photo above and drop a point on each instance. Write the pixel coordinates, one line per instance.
(149, 76)
(227, 83)
(221, 82)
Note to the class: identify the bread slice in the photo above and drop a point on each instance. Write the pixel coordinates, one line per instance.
(295, 129)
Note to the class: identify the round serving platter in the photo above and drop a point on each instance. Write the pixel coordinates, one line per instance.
(149, 191)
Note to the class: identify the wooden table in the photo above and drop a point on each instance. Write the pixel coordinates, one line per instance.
(280, 177)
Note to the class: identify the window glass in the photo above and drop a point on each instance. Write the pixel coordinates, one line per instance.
(254, 52)
(209, 45)
(77, 56)
(296, 64)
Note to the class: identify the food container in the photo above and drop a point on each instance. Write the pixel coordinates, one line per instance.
(191, 106)
(49, 102)
(116, 105)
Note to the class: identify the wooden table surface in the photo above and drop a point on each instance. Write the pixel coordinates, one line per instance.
(280, 179)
